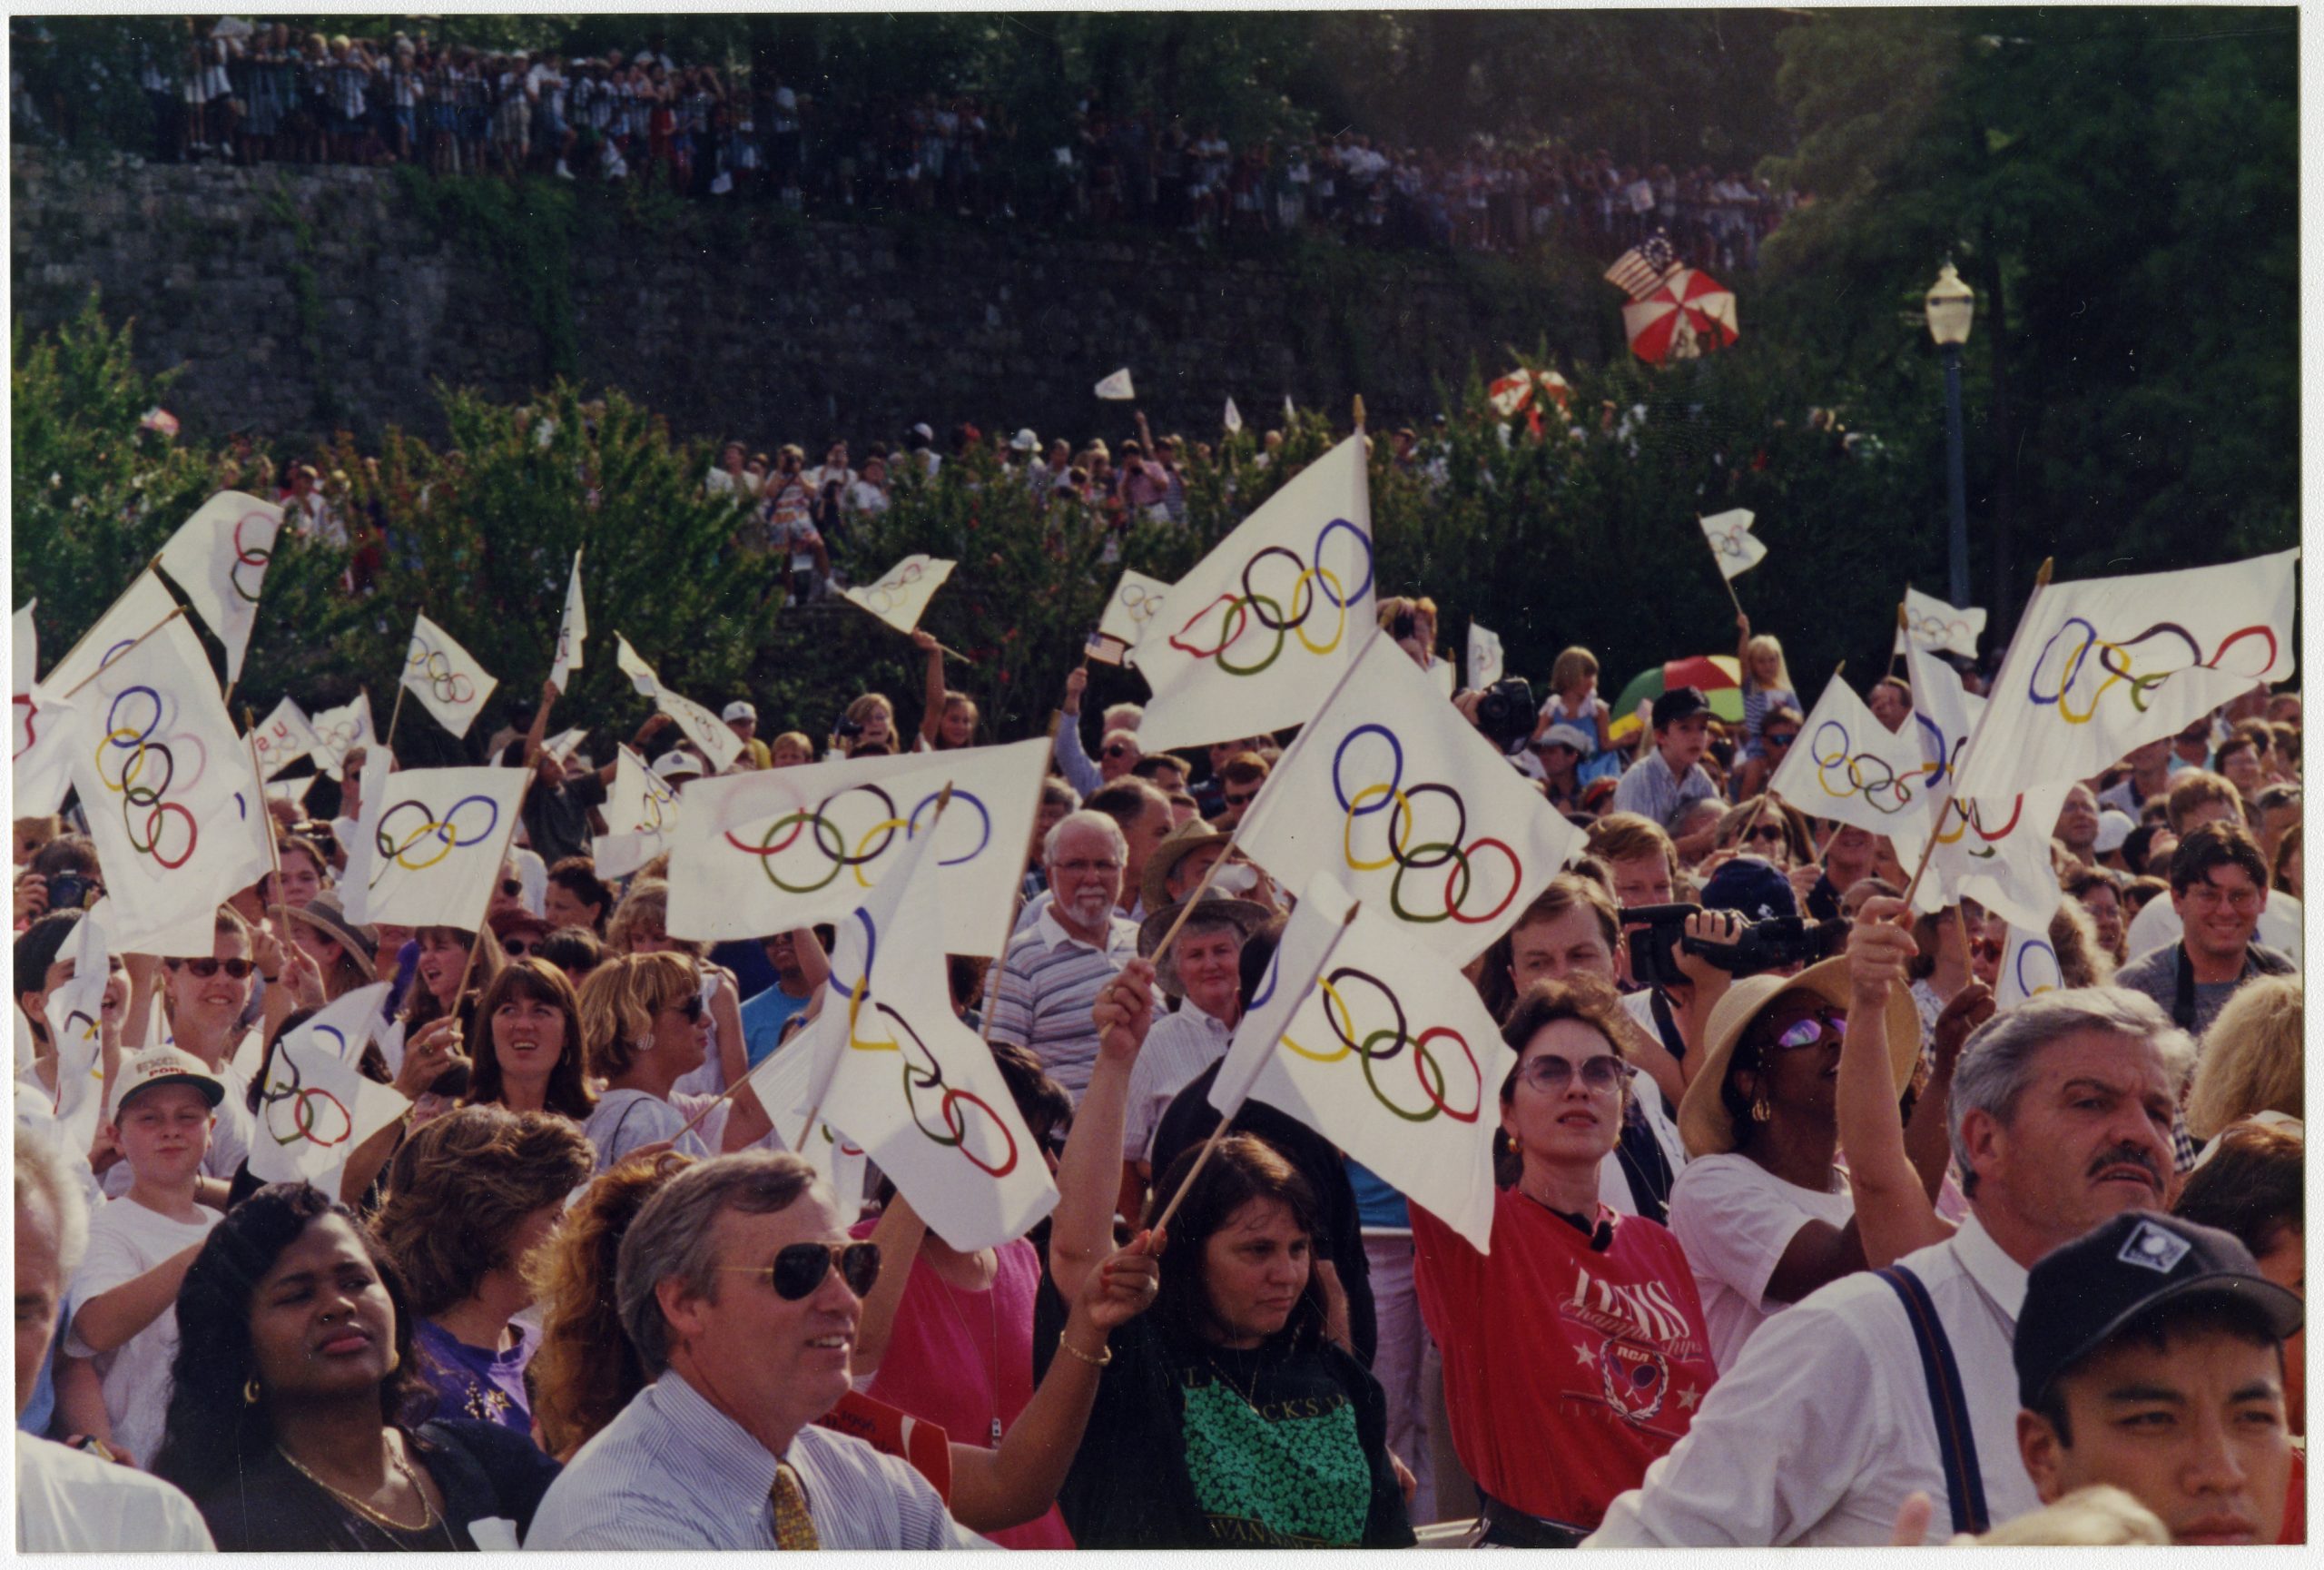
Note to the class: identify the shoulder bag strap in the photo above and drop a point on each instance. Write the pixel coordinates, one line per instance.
(1965, 1484)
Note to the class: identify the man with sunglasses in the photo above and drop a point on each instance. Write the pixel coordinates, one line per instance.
(741, 1292)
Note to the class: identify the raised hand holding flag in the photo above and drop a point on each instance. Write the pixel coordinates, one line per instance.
(315, 1106)
(712, 736)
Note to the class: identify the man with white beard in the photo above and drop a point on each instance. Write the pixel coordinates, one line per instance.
(1051, 973)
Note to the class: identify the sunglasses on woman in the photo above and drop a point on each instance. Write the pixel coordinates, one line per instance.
(1782, 737)
(237, 969)
(1602, 1073)
(1771, 833)
(517, 948)
(1985, 949)
(800, 1268)
(1807, 1032)
(691, 1007)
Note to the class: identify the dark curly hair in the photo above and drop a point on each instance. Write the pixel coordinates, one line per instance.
(209, 1433)
(1242, 1168)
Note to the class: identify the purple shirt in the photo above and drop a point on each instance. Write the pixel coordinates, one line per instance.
(471, 1382)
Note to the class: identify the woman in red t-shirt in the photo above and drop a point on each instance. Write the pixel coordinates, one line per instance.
(1575, 1352)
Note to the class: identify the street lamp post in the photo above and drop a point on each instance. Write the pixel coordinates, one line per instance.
(1950, 305)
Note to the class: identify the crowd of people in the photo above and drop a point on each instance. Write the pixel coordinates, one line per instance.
(1833, 1250)
(272, 93)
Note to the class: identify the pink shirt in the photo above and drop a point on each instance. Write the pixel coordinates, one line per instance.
(960, 1359)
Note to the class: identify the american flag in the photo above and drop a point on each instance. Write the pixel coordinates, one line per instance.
(1642, 269)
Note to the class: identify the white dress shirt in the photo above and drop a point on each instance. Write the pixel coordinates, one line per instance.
(1824, 1425)
(69, 1501)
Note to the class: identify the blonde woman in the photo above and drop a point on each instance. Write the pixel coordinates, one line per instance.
(2252, 1059)
(641, 925)
(645, 1029)
(1767, 681)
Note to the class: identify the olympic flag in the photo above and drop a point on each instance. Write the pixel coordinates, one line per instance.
(897, 1073)
(1393, 1057)
(316, 1107)
(773, 850)
(2029, 967)
(2106, 665)
(1137, 600)
(571, 632)
(901, 597)
(1849, 766)
(643, 808)
(339, 731)
(1737, 548)
(75, 1011)
(219, 557)
(710, 736)
(283, 738)
(1393, 795)
(36, 755)
(165, 781)
(430, 844)
(1944, 715)
(1992, 850)
(445, 677)
(1933, 624)
(784, 1081)
(43, 770)
(1484, 656)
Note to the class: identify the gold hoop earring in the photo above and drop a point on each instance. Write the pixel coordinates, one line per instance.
(1760, 1111)
(250, 1391)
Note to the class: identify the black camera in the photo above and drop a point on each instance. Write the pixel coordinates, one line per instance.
(1763, 945)
(846, 730)
(1505, 713)
(71, 891)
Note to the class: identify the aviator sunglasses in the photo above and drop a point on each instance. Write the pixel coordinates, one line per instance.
(800, 1268)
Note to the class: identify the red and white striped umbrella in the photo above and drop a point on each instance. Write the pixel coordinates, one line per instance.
(1692, 313)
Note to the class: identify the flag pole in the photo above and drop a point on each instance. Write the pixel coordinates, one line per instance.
(1219, 1132)
(394, 715)
(1016, 908)
(1936, 825)
(273, 849)
(1282, 765)
(175, 612)
(91, 632)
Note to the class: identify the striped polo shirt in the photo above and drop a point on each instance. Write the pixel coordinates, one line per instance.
(1048, 985)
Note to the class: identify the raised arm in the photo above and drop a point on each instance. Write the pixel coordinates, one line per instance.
(540, 724)
(1893, 1214)
(1072, 758)
(899, 1236)
(113, 1317)
(1928, 1137)
(1088, 1177)
(931, 716)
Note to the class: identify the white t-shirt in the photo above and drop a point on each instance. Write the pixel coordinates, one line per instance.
(125, 1241)
(1735, 1218)
(622, 1121)
(2158, 923)
(69, 1501)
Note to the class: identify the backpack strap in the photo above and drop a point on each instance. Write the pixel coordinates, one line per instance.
(1964, 1483)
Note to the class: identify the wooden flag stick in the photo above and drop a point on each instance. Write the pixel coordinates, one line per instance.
(1219, 1132)
(273, 851)
(175, 612)
(394, 715)
(1936, 825)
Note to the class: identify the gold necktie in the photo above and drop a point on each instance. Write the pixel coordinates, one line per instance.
(794, 1529)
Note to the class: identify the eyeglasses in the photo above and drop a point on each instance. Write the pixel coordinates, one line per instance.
(1807, 1032)
(2208, 896)
(517, 948)
(1553, 1074)
(1772, 833)
(1242, 798)
(690, 1007)
(1117, 750)
(800, 1268)
(238, 970)
(1782, 739)
(1985, 949)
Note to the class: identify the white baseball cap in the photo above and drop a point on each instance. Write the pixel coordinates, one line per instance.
(2114, 828)
(740, 709)
(1025, 440)
(164, 1065)
(678, 763)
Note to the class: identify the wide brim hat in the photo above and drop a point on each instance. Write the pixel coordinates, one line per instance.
(1154, 883)
(1704, 1125)
(1246, 914)
(325, 915)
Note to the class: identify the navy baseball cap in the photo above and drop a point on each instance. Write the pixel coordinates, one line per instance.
(1753, 888)
(2080, 1295)
(1679, 703)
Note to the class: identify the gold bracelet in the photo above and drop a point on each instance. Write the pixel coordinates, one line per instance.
(1065, 1345)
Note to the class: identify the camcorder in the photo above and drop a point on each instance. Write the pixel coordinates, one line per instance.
(1505, 713)
(1764, 945)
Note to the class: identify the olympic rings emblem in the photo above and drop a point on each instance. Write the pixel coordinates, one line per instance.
(2065, 659)
(1376, 1048)
(993, 1149)
(24, 701)
(317, 1116)
(136, 765)
(1731, 541)
(2039, 951)
(1142, 603)
(1886, 793)
(881, 595)
(244, 557)
(432, 666)
(1935, 631)
(1966, 816)
(1397, 807)
(845, 841)
(1306, 588)
(417, 823)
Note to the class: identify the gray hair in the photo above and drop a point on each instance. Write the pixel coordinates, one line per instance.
(44, 1181)
(1997, 1063)
(1083, 818)
(1199, 922)
(672, 1237)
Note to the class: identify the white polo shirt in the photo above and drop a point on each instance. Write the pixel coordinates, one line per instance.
(1824, 1425)
(70, 1503)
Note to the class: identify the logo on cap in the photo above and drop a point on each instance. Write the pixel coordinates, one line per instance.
(2152, 1248)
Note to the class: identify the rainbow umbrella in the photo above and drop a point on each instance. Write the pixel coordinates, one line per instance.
(1718, 675)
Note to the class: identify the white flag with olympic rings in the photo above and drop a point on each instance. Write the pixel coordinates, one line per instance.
(901, 596)
(316, 1106)
(2029, 967)
(431, 844)
(339, 731)
(283, 738)
(165, 781)
(1994, 851)
(1848, 766)
(445, 677)
(75, 1024)
(1398, 799)
(43, 768)
(773, 850)
(1933, 624)
(712, 738)
(641, 810)
(1258, 633)
(219, 557)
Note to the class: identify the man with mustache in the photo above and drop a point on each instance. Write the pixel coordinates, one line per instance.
(1882, 1385)
(1054, 967)
(2150, 1356)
